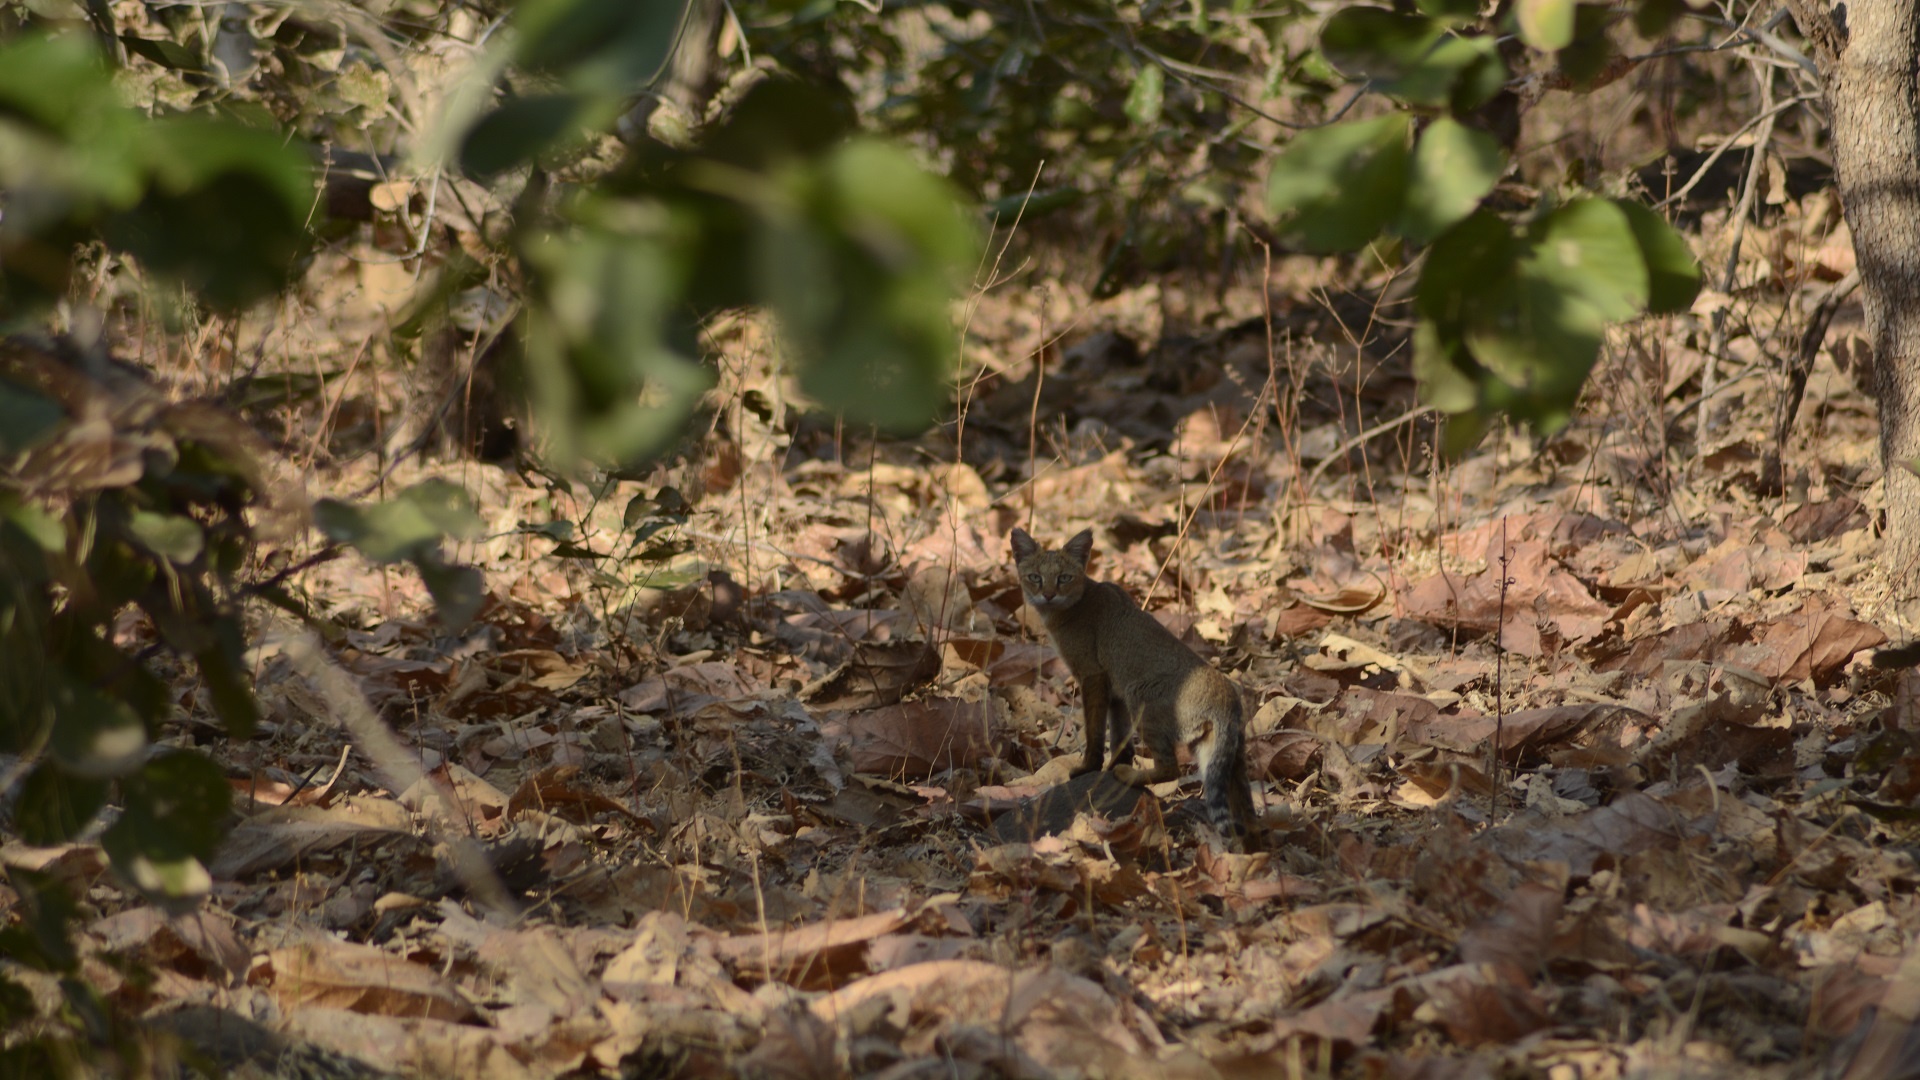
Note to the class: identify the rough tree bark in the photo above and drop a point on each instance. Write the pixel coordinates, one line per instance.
(1868, 52)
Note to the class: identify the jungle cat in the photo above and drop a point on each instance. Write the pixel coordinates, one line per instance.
(1132, 671)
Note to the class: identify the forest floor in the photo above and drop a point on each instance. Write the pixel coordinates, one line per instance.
(733, 775)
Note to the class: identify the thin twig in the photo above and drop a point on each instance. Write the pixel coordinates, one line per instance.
(1033, 413)
(1700, 173)
(1206, 492)
(399, 768)
(993, 279)
(1374, 432)
(1756, 169)
(1499, 678)
(761, 545)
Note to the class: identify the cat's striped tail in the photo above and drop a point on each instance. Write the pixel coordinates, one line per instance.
(1222, 761)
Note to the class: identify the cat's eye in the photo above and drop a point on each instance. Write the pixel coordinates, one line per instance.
(1035, 578)
(1065, 578)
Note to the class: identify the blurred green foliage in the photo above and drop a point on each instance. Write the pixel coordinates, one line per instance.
(410, 528)
(212, 203)
(772, 203)
(155, 504)
(1145, 115)
(1513, 306)
(1129, 119)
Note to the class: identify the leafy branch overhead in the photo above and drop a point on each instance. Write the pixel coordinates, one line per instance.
(1513, 306)
(216, 205)
(152, 506)
(857, 249)
(410, 528)
(115, 499)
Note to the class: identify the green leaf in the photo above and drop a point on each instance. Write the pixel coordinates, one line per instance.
(1478, 82)
(229, 687)
(448, 506)
(46, 910)
(1589, 249)
(384, 538)
(1340, 185)
(862, 280)
(1542, 342)
(165, 52)
(648, 515)
(1673, 275)
(557, 531)
(637, 509)
(17, 1008)
(340, 522)
(186, 153)
(523, 128)
(1546, 25)
(120, 574)
(173, 537)
(1375, 43)
(37, 525)
(55, 806)
(94, 736)
(69, 150)
(1441, 365)
(411, 522)
(1454, 167)
(1455, 68)
(1539, 340)
(1455, 10)
(1587, 55)
(184, 797)
(1410, 56)
(609, 47)
(1652, 17)
(175, 814)
(27, 418)
(1147, 95)
(226, 213)
(779, 119)
(1522, 318)
(457, 591)
(606, 373)
(60, 84)
(1463, 432)
(570, 550)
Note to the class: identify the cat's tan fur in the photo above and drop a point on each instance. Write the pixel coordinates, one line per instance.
(1134, 673)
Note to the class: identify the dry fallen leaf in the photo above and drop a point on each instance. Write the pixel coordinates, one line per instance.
(361, 979)
(816, 957)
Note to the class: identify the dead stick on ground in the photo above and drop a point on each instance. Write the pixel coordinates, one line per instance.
(398, 768)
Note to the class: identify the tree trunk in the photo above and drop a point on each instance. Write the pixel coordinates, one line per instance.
(1870, 63)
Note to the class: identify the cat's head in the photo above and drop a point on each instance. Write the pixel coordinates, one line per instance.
(1049, 578)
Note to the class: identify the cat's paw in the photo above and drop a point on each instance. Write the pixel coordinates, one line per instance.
(1238, 839)
(1082, 769)
(1131, 776)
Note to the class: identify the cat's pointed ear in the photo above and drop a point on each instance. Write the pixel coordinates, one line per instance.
(1081, 546)
(1023, 545)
